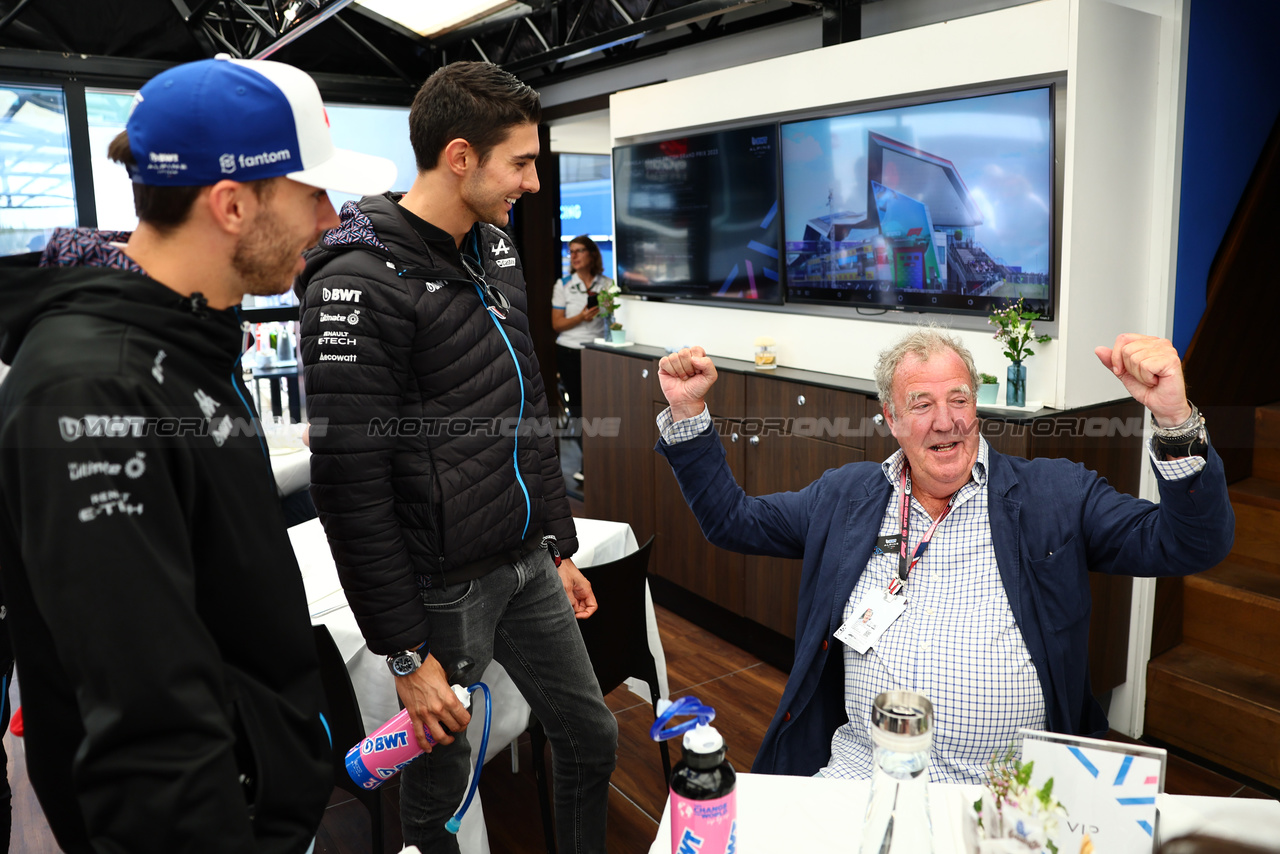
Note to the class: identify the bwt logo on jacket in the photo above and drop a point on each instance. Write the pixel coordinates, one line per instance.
(340, 294)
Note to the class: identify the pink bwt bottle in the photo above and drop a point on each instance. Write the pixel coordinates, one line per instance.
(704, 803)
(390, 747)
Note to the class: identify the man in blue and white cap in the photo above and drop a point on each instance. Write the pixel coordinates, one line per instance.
(170, 686)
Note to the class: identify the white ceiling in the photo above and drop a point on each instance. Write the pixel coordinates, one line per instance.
(585, 134)
(437, 17)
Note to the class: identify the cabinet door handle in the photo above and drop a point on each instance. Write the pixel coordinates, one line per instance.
(755, 440)
(733, 437)
(877, 419)
(644, 373)
(800, 400)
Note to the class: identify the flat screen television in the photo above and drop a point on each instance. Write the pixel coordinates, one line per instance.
(697, 216)
(942, 206)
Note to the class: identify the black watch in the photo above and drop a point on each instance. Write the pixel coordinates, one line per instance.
(404, 662)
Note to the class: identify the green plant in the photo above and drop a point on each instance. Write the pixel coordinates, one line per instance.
(1016, 330)
(615, 325)
(988, 379)
(608, 300)
(1011, 809)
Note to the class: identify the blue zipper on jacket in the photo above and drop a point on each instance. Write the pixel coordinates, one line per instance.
(515, 458)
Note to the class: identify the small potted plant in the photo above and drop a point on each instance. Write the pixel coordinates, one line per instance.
(616, 335)
(987, 391)
(1011, 817)
(1016, 331)
(608, 300)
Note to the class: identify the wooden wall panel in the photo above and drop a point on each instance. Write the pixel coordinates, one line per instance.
(779, 464)
(681, 553)
(619, 458)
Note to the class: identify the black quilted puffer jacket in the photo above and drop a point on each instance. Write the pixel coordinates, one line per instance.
(432, 460)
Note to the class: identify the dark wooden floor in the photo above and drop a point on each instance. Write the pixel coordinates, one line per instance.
(743, 691)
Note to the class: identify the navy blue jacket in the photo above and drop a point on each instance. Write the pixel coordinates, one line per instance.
(1052, 521)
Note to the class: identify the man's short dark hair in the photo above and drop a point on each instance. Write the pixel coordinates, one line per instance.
(164, 208)
(475, 101)
(167, 208)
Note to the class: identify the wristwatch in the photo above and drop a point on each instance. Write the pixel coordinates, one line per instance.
(404, 662)
(1188, 439)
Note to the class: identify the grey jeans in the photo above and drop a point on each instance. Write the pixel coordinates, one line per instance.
(519, 616)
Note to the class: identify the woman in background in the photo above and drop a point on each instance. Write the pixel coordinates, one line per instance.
(575, 315)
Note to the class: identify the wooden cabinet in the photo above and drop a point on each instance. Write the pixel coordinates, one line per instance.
(783, 464)
(809, 411)
(792, 433)
(681, 554)
(618, 438)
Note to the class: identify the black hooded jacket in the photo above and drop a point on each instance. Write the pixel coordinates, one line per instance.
(157, 613)
(431, 457)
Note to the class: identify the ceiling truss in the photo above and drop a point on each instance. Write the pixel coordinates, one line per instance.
(253, 30)
(560, 38)
(541, 41)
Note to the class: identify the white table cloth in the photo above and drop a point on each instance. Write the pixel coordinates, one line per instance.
(777, 813)
(291, 467)
(598, 542)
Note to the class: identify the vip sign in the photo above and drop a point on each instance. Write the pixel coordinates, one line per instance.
(1108, 789)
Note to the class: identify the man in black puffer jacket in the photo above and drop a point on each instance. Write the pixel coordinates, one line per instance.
(432, 466)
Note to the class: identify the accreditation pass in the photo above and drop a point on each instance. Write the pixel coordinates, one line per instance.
(870, 617)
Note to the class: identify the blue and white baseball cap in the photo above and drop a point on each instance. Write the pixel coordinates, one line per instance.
(244, 120)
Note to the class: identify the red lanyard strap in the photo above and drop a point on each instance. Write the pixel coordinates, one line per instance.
(904, 565)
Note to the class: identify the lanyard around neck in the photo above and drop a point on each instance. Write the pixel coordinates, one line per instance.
(905, 564)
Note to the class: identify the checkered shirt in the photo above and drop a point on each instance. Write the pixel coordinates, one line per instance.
(956, 642)
(675, 432)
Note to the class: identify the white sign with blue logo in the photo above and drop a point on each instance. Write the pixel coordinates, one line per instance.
(1108, 789)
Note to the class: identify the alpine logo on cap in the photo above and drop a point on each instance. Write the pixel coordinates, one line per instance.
(164, 163)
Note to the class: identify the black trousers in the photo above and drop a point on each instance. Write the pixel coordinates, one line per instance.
(569, 361)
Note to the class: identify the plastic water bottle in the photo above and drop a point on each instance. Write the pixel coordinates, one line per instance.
(704, 803)
(897, 819)
(390, 747)
(704, 800)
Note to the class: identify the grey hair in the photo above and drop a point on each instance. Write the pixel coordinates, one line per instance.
(923, 343)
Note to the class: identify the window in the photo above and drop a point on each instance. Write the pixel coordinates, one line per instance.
(586, 205)
(112, 190)
(383, 131)
(36, 192)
